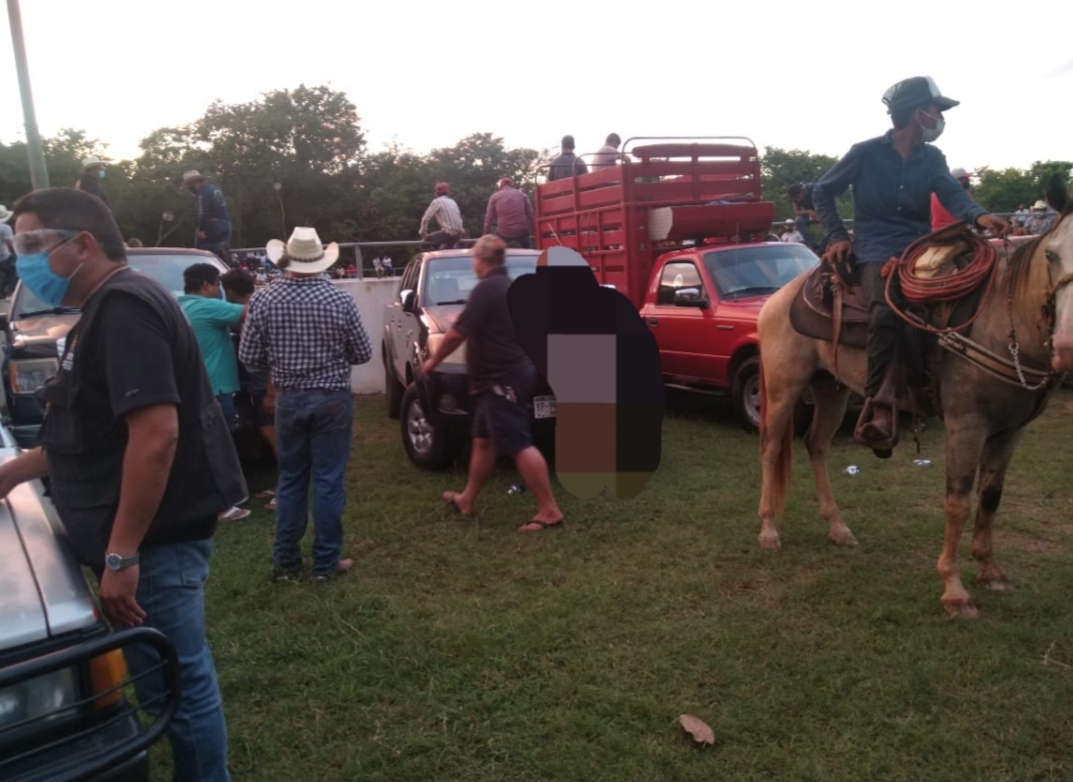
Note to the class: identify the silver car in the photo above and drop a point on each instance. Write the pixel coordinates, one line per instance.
(64, 715)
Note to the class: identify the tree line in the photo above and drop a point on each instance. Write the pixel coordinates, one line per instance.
(299, 157)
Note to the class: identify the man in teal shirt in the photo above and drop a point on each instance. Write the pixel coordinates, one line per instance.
(212, 318)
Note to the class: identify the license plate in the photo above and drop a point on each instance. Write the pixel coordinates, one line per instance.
(544, 407)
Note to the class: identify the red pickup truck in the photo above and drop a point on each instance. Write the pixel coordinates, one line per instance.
(681, 230)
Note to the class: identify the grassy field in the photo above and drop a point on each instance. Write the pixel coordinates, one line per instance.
(460, 650)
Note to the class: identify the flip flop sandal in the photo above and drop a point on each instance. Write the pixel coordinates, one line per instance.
(543, 525)
(264, 495)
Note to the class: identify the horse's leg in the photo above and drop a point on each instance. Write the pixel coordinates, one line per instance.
(829, 414)
(996, 457)
(779, 395)
(964, 444)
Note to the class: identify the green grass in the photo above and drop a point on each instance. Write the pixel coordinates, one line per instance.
(461, 650)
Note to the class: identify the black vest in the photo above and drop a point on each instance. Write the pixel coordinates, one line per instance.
(206, 476)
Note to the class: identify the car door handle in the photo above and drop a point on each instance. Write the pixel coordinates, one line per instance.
(724, 328)
(652, 321)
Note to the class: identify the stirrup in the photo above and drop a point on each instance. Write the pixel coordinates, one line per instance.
(883, 448)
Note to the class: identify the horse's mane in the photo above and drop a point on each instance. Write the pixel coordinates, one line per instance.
(1019, 265)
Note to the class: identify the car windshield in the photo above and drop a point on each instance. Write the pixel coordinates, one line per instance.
(759, 270)
(167, 269)
(450, 280)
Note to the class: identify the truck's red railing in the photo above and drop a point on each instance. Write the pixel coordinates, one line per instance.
(661, 196)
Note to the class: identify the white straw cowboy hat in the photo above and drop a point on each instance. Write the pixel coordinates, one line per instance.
(91, 161)
(307, 254)
(5, 214)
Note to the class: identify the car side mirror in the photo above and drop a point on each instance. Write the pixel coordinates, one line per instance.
(406, 298)
(690, 297)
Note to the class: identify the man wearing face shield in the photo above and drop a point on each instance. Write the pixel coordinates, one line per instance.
(893, 177)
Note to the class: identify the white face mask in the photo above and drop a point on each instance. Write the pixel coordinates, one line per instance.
(930, 134)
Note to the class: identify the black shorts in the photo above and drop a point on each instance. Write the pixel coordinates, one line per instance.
(502, 421)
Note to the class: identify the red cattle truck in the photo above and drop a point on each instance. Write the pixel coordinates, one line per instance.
(681, 229)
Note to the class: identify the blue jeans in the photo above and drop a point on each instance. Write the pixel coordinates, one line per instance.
(227, 403)
(313, 434)
(171, 590)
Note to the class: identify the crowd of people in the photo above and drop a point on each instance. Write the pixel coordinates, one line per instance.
(138, 437)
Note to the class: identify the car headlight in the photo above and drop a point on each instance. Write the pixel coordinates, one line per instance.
(42, 699)
(30, 374)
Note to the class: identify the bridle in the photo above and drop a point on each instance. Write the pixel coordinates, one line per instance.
(1050, 314)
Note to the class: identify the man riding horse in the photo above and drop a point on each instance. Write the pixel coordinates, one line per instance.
(893, 178)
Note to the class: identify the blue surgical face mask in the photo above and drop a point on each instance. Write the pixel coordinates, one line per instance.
(38, 276)
(100, 174)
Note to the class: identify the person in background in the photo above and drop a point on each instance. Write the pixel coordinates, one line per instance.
(940, 217)
(607, 155)
(446, 213)
(566, 164)
(791, 234)
(378, 266)
(213, 220)
(502, 378)
(138, 459)
(239, 288)
(9, 277)
(804, 211)
(211, 318)
(512, 213)
(89, 181)
(134, 242)
(1041, 219)
(389, 270)
(308, 333)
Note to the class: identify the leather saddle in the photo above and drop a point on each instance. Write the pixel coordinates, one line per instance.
(832, 305)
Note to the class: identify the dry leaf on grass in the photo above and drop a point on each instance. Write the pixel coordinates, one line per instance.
(697, 728)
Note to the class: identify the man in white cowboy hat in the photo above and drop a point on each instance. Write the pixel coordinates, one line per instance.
(213, 220)
(89, 181)
(791, 234)
(1041, 219)
(8, 275)
(308, 333)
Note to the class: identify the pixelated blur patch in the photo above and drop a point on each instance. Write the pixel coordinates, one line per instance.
(602, 364)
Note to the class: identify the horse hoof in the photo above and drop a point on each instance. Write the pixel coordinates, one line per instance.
(1001, 585)
(845, 538)
(769, 541)
(961, 609)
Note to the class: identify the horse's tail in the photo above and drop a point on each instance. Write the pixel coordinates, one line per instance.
(781, 478)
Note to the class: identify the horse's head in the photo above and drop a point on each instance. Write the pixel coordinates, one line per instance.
(1058, 245)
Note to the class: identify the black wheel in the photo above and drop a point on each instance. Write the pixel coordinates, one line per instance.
(747, 393)
(426, 445)
(393, 389)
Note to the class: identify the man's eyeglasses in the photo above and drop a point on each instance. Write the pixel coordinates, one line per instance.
(41, 240)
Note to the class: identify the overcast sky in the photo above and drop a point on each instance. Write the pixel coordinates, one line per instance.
(802, 75)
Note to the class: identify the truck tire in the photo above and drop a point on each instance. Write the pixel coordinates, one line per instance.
(747, 393)
(427, 446)
(393, 389)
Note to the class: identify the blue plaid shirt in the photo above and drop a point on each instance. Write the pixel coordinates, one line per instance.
(307, 332)
(891, 197)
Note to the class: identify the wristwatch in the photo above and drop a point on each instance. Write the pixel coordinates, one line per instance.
(116, 562)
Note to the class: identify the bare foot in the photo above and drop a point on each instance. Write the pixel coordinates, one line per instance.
(537, 524)
(454, 499)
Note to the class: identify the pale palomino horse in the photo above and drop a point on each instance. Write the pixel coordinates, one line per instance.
(983, 416)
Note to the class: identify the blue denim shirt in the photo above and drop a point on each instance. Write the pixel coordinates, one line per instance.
(891, 197)
(211, 205)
